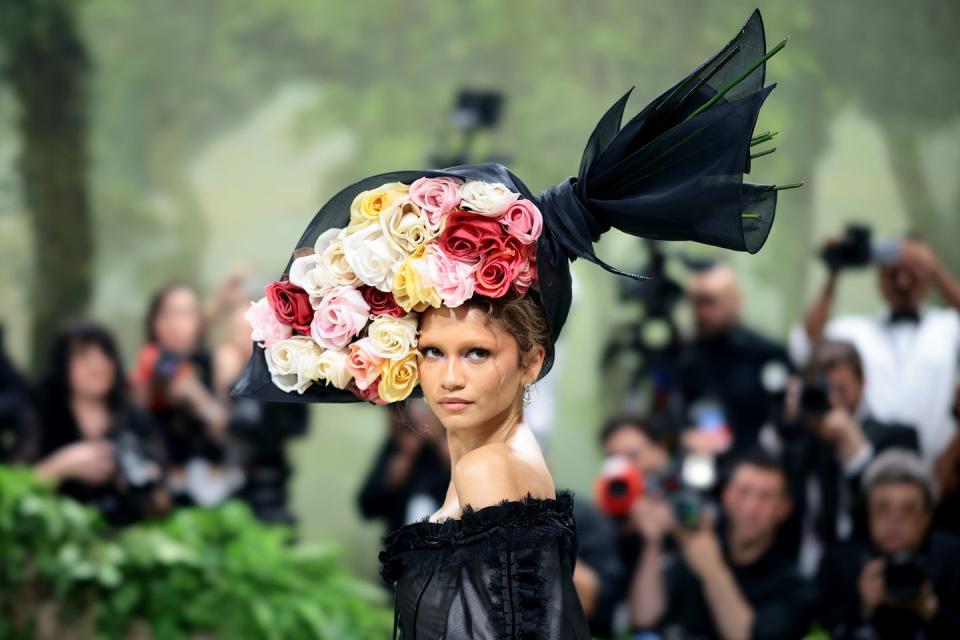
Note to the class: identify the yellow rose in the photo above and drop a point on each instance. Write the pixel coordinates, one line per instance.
(393, 338)
(412, 288)
(368, 205)
(398, 378)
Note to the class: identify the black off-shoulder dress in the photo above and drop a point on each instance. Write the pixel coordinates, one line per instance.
(500, 572)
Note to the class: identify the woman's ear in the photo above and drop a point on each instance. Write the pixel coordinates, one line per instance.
(533, 363)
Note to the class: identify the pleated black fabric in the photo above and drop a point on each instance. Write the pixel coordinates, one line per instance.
(497, 573)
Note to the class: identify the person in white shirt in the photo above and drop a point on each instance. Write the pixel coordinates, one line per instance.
(910, 350)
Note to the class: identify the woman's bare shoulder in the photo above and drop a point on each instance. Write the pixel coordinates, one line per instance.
(493, 473)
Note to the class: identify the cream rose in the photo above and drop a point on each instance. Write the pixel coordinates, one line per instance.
(486, 198)
(374, 260)
(293, 363)
(332, 368)
(393, 338)
(398, 378)
(406, 226)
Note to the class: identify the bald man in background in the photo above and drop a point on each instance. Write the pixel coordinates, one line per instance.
(725, 363)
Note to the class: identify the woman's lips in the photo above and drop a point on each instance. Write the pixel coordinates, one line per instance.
(454, 404)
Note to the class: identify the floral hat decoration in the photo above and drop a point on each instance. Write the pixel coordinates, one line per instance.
(340, 324)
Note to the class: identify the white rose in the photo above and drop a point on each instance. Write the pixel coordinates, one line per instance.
(406, 226)
(293, 363)
(314, 274)
(486, 198)
(393, 338)
(332, 367)
(374, 260)
(337, 266)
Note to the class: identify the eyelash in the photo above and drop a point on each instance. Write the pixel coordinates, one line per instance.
(433, 352)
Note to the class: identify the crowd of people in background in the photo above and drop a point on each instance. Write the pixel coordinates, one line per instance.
(135, 446)
(782, 486)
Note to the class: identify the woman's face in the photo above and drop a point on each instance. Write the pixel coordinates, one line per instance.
(470, 373)
(92, 372)
(178, 322)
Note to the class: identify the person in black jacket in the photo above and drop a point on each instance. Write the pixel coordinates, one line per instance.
(410, 475)
(830, 438)
(84, 435)
(904, 582)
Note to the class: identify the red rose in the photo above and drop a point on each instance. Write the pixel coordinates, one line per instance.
(499, 268)
(381, 303)
(291, 304)
(469, 236)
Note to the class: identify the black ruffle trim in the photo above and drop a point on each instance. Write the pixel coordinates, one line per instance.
(480, 533)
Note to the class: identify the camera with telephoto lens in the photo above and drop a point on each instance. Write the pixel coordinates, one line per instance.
(904, 576)
(686, 486)
(618, 486)
(815, 399)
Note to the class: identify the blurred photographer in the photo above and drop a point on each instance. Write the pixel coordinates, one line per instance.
(833, 440)
(905, 582)
(728, 581)
(725, 364)
(14, 400)
(84, 435)
(909, 350)
(173, 380)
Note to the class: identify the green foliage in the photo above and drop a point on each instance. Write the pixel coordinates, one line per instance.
(214, 571)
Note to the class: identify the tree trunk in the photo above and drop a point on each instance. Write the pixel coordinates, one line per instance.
(48, 68)
(905, 159)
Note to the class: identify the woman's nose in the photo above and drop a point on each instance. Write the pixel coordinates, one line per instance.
(453, 375)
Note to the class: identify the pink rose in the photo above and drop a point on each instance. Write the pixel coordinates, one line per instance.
(291, 304)
(527, 275)
(363, 364)
(436, 196)
(370, 394)
(523, 221)
(469, 236)
(340, 316)
(266, 328)
(452, 279)
(499, 268)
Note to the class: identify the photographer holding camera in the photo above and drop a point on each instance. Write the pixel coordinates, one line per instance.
(904, 583)
(909, 350)
(84, 435)
(833, 440)
(730, 581)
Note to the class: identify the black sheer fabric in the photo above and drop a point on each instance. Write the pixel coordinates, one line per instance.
(500, 572)
(673, 172)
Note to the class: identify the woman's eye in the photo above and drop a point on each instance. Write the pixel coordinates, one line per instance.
(477, 353)
(430, 352)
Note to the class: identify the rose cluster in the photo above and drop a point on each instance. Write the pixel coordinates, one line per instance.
(347, 315)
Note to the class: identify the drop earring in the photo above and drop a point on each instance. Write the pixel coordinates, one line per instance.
(527, 399)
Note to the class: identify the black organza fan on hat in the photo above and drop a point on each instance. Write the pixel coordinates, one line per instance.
(675, 171)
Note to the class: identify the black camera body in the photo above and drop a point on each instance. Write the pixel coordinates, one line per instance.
(904, 575)
(852, 251)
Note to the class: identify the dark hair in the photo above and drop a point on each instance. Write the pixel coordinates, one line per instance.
(522, 317)
(59, 426)
(655, 429)
(156, 302)
(762, 459)
(828, 354)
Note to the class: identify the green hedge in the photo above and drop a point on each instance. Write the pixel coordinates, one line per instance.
(215, 573)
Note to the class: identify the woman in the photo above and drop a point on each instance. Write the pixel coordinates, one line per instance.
(173, 380)
(87, 438)
(473, 262)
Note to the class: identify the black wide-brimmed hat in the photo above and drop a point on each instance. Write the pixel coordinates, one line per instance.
(675, 171)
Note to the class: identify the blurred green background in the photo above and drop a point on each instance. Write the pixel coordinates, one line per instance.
(142, 142)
